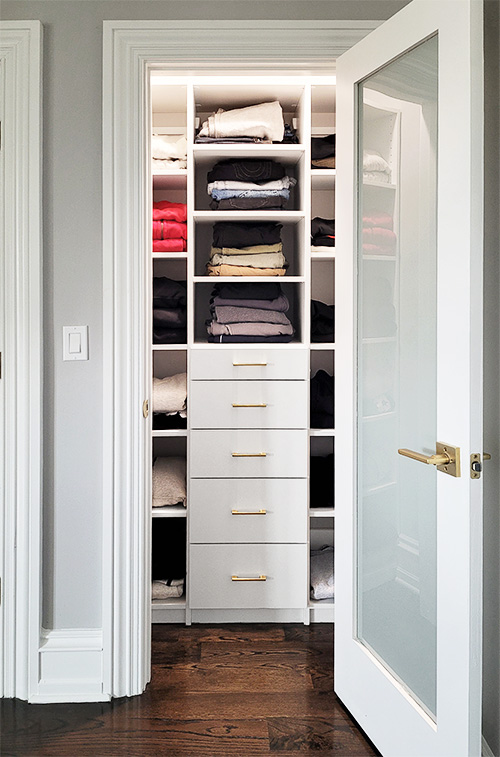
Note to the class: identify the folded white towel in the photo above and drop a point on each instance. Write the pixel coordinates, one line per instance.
(168, 588)
(168, 148)
(170, 394)
(264, 121)
(373, 161)
(169, 481)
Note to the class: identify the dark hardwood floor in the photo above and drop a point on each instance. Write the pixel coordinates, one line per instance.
(219, 691)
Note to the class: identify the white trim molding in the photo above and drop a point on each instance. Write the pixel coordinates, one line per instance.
(21, 340)
(131, 50)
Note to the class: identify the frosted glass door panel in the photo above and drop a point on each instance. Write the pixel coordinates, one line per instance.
(397, 393)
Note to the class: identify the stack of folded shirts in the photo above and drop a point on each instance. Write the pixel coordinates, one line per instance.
(168, 153)
(167, 588)
(169, 401)
(375, 167)
(323, 151)
(169, 481)
(323, 232)
(321, 481)
(169, 226)
(252, 193)
(322, 402)
(322, 322)
(378, 235)
(256, 123)
(247, 249)
(249, 313)
(169, 311)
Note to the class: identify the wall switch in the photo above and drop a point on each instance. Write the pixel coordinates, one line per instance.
(75, 343)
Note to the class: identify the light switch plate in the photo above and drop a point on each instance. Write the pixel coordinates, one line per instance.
(75, 343)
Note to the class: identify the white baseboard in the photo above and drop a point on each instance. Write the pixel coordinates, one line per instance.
(485, 748)
(70, 666)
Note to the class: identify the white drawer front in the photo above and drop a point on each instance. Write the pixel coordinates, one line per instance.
(248, 404)
(248, 453)
(212, 567)
(248, 364)
(248, 510)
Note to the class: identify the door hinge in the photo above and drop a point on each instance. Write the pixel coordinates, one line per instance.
(476, 466)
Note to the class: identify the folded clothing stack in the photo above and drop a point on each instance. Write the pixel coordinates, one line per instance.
(323, 151)
(170, 401)
(323, 232)
(169, 226)
(322, 583)
(321, 481)
(168, 152)
(169, 311)
(322, 402)
(255, 123)
(378, 235)
(249, 185)
(322, 322)
(375, 167)
(247, 249)
(249, 313)
(167, 588)
(169, 481)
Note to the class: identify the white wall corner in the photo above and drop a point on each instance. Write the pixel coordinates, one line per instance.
(70, 666)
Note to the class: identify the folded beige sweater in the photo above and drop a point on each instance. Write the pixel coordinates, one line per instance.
(237, 270)
(169, 481)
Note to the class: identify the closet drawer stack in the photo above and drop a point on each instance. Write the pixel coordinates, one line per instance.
(248, 489)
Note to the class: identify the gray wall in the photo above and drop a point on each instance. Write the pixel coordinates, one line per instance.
(73, 288)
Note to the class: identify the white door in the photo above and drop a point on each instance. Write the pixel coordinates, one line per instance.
(408, 375)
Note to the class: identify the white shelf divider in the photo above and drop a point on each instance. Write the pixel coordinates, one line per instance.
(322, 512)
(170, 433)
(172, 511)
(321, 432)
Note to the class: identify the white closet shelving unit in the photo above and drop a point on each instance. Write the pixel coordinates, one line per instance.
(278, 541)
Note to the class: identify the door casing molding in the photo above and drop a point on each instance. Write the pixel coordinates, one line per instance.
(21, 381)
(131, 50)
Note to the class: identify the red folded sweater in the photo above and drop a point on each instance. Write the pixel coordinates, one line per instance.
(377, 235)
(378, 218)
(169, 211)
(169, 230)
(169, 245)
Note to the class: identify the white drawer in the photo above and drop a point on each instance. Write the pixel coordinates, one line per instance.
(248, 404)
(248, 453)
(212, 567)
(248, 510)
(248, 364)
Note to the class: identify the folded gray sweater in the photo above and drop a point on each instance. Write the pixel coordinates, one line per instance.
(227, 314)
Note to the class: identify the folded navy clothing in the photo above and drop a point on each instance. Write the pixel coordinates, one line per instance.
(321, 481)
(249, 203)
(247, 291)
(250, 169)
(246, 234)
(322, 322)
(226, 140)
(169, 336)
(323, 147)
(236, 339)
(322, 400)
(169, 317)
(323, 232)
(168, 293)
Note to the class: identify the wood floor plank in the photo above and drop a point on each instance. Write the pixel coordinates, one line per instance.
(230, 632)
(251, 654)
(232, 678)
(315, 734)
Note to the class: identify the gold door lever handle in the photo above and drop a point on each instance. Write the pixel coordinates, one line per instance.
(446, 459)
(258, 404)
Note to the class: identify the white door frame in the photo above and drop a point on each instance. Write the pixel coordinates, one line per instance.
(21, 379)
(131, 49)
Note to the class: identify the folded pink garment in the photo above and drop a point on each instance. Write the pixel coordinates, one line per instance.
(377, 218)
(377, 249)
(169, 211)
(378, 235)
(169, 230)
(169, 245)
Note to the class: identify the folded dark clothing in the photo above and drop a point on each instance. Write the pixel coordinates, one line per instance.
(322, 390)
(164, 422)
(169, 336)
(322, 227)
(279, 304)
(243, 234)
(321, 481)
(251, 169)
(290, 136)
(168, 293)
(169, 317)
(323, 147)
(226, 140)
(249, 203)
(230, 338)
(247, 291)
(322, 322)
(323, 241)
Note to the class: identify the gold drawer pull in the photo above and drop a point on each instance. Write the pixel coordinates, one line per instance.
(240, 365)
(248, 512)
(248, 578)
(259, 404)
(249, 454)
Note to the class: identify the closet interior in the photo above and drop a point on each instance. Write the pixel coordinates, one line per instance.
(243, 351)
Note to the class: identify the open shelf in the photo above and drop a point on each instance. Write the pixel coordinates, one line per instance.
(322, 512)
(170, 511)
(167, 604)
(249, 279)
(285, 153)
(169, 255)
(322, 345)
(323, 178)
(170, 432)
(212, 216)
(322, 253)
(167, 347)
(175, 178)
(321, 432)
